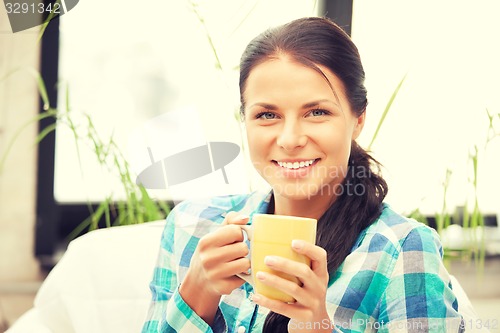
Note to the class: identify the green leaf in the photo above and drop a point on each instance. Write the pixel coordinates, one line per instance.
(466, 217)
(41, 87)
(49, 113)
(79, 229)
(247, 15)
(386, 111)
(46, 131)
(97, 215)
(46, 22)
(107, 212)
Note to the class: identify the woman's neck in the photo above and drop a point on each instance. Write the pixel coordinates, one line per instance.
(313, 207)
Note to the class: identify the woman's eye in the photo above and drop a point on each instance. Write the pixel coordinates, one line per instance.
(318, 112)
(266, 115)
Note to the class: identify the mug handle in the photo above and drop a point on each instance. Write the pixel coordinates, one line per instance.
(247, 234)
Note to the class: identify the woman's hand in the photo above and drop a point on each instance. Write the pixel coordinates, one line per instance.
(309, 310)
(221, 255)
(217, 258)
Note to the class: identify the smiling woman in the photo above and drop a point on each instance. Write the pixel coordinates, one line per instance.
(303, 103)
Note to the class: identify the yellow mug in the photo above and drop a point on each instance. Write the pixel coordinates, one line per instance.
(272, 235)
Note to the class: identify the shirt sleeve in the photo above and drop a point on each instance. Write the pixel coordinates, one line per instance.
(168, 312)
(418, 297)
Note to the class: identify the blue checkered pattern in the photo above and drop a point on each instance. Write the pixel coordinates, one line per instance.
(392, 281)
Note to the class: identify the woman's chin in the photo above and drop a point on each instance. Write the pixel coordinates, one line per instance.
(298, 191)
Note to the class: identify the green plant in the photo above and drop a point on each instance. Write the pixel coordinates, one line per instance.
(138, 206)
(474, 219)
(416, 214)
(471, 219)
(443, 218)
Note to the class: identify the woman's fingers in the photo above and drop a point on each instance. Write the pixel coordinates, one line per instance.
(317, 255)
(302, 271)
(220, 255)
(280, 264)
(230, 268)
(226, 253)
(307, 298)
(226, 234)
(235, 218)
(314, 279)
(285, 309)
(288, 287)
(220, 251)
(307, 295)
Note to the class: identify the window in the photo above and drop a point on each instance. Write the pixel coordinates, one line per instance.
(147, 74)
(449, 51)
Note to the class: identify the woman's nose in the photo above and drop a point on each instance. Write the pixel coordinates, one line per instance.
(291, 136)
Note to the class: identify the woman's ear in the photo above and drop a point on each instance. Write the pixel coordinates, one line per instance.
(358, 126)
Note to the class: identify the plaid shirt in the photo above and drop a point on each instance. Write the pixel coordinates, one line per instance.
(392, 281)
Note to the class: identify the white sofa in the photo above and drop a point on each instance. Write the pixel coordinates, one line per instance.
(102, 285)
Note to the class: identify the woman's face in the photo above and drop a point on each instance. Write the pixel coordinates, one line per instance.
(299, 131)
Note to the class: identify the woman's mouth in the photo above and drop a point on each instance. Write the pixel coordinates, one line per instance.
(296, 164)
(295, 169)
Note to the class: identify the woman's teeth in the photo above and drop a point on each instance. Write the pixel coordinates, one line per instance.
(295, 165)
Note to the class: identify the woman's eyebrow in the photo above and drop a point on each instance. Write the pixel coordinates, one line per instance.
(305, 106)
(265, 106)
(318, 102)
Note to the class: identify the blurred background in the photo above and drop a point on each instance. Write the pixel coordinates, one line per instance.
(137, 82)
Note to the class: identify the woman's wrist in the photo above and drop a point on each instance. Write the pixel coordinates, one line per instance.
(200, 299)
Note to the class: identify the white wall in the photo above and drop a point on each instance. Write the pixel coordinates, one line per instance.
(18, 104)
